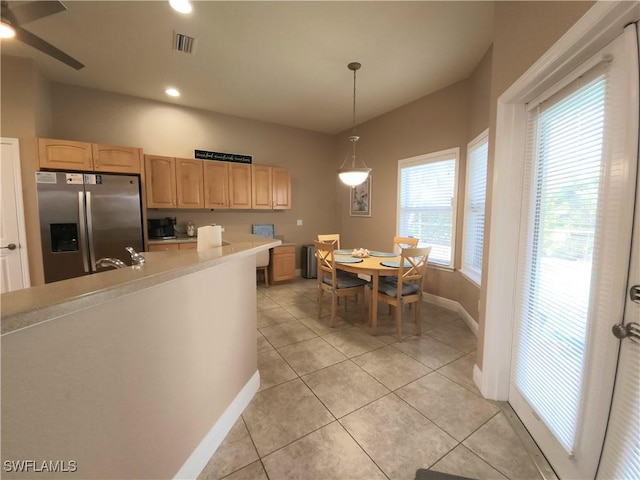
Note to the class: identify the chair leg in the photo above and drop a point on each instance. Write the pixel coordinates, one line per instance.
(399, 321)
(266, 277)
(418, 317)
(320, 292)
(334, 307)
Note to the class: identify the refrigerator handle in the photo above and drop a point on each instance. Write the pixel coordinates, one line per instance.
(90, 230)
(83, 231)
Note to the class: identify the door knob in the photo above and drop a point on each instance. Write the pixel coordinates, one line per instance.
(11, 246)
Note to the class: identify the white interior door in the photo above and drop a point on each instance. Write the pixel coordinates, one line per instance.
(14, 270)
(577, 214)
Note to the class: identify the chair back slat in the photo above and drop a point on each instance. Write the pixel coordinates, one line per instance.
(404, 242)
(413, 265)
(326, 260)
(330, 238)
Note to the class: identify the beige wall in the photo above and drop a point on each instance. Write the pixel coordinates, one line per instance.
(24, 110)
(128, 388)
(468, 293)
(445, 119)
(166, 129)
(524, 31)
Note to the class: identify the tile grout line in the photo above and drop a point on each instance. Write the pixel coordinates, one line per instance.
(390, 391)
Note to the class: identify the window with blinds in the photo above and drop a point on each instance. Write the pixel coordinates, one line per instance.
(475, 193)
(561, 194)
(427, 204)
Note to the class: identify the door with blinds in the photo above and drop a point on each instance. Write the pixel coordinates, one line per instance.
(574, 256)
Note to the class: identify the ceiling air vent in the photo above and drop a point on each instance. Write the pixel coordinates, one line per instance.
(183, 43)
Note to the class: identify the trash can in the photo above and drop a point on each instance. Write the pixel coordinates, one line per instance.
(308, 262)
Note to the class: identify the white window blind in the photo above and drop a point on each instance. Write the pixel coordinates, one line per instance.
(426, 203)
(561, 196)
(475, 193)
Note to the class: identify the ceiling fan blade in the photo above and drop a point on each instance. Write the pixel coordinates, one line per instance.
(28, 12)
(7, 15)
(45, 47)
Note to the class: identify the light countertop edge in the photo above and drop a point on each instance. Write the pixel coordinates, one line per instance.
(31, 306)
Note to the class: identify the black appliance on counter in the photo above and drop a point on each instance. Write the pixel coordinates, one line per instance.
(161, 228)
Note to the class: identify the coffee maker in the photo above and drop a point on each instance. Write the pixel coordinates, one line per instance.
(161, 228)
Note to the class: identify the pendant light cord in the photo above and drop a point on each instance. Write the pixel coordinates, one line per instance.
(353, 138)
(353, 123)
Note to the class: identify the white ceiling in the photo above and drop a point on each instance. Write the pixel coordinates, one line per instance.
(280, 62)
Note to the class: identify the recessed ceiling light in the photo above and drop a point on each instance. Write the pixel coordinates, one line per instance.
(6, 31)
(172, 92)
(182, 6)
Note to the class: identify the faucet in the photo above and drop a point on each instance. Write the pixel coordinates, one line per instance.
(136, 258)
(110, 262)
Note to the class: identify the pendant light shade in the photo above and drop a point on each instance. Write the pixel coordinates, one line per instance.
(353, 175)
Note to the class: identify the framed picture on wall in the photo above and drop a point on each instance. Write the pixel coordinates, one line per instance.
(360, 201)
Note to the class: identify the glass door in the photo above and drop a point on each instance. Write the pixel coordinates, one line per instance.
(577, 214)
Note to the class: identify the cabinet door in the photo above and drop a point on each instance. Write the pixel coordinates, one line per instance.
(112, 158)
(239, 186)
(189, 183)
(164, 248)
(216, 184)
(283, 263)
(261, 187)
(64, 154)
(161, 181)
(281, 179)
(188, 246)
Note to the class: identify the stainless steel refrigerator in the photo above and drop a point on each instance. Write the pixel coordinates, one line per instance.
(84, 217)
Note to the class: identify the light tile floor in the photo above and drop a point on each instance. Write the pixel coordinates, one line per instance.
(339, 403)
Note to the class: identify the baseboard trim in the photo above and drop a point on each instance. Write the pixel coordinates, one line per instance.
(455, 307)
(212, 440)
(477, 377)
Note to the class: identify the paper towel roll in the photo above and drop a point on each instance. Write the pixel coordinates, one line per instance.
(209, 236)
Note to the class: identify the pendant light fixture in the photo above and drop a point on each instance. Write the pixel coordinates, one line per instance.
(353, 175)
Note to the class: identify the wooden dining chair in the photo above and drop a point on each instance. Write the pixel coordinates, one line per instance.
(332, 281)
(404, 242)
(330, 238)
(406, 288)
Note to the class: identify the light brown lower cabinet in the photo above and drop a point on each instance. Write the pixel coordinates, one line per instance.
(160, 247)
(282, 265)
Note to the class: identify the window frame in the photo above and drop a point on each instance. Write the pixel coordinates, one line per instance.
(470, 274)
(424, 159)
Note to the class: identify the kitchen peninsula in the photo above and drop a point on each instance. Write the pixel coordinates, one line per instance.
(134, 372)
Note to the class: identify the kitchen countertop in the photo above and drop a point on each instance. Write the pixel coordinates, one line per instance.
(30, 306)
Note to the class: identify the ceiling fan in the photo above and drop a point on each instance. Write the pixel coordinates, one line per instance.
(23, 13)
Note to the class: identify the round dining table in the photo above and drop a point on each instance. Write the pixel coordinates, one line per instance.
(372, 267)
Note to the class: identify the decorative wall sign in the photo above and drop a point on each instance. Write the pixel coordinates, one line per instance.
(223, 157)
(360, 201)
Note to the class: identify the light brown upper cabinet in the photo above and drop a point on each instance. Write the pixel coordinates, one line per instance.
(216, 184)
(281, 180)
(160, 181)
(239, 186)
(64, 154)
(261, 187)
(271, 188)
(83, 156)
(113, 158)
(189, 183)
